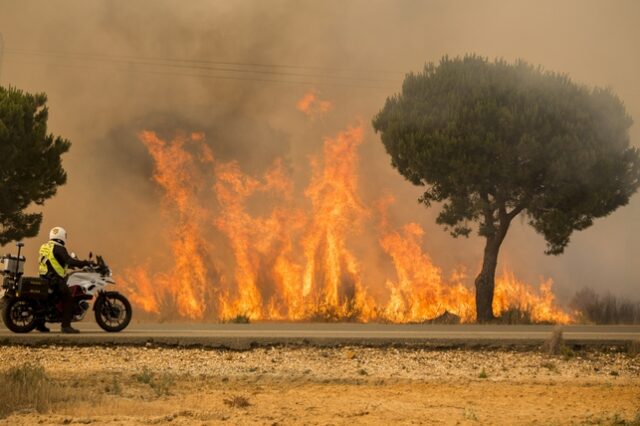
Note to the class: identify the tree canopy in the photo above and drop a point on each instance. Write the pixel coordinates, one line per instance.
(492, 139)
(30, 162)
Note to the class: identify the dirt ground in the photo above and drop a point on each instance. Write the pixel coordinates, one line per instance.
(352, 385)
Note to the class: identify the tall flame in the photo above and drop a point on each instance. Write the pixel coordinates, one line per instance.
(176, 172)
(294, 257)
(419, 291)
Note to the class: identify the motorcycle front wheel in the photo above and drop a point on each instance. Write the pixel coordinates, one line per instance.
(113, 312)
(19, 315)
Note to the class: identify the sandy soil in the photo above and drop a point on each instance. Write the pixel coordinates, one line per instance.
(281, 386)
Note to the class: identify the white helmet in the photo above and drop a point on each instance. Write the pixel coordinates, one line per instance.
(58, 233)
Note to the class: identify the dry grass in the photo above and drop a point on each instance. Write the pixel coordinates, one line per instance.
(300, 386)
(160, 383)
(515, 315)
(549, 366)
(28, 388)
(237, 401)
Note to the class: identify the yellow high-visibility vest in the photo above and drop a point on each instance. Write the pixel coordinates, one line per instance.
(46, 254)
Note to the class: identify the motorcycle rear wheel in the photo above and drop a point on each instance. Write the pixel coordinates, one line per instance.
(19, 315)
(113, 312)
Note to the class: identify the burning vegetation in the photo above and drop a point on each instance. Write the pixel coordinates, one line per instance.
(260, 247)
(312, 106)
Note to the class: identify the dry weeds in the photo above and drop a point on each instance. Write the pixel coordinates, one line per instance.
(352, 385)
(237, 401)
(26, 387)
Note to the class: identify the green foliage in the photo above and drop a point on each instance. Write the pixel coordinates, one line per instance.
(483, 374)
(492, 139)
(30, 163)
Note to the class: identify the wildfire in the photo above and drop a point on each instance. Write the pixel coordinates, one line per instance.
(296, 258)
(311, 105)
(419, 291)
(176, 172)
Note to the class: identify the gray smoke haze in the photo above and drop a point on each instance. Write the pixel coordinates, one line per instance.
(354, 52)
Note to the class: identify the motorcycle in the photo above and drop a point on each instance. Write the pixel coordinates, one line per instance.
(26, 299)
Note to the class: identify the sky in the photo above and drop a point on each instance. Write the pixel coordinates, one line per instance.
(235, 70)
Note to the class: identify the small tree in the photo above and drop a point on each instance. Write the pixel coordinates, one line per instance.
(30, 163)
(491, 140)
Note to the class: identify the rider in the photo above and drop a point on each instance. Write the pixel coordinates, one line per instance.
(54, 261)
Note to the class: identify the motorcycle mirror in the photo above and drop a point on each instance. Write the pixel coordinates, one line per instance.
(90, 255)
(20, 244)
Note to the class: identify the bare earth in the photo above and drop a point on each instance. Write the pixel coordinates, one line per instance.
(352, 385)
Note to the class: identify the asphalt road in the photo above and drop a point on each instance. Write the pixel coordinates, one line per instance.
(241, 336)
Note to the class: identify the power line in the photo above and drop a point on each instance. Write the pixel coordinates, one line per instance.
(217, 76)
(205, 61)
(277, 70)
(217, 68)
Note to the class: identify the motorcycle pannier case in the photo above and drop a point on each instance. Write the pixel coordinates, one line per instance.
(33, 287)
(12, 264)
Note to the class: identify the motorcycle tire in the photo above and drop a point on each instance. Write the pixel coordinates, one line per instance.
(109, 309)
(13, 318)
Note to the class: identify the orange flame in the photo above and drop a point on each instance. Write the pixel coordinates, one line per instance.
(296, 259)
(512, 293)
(419, 291)
(185, 288)
(312, 106)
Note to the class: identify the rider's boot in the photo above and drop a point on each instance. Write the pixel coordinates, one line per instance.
(66, 314)
(69, 329)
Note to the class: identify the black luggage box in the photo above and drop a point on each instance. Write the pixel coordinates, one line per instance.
(33, 287)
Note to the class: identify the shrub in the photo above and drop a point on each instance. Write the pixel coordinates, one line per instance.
(145, 376)
(27, 387)
(115, 388)
(605, 309)
(239, 319)
(515, 315)
(161, 384)
(566, 352)
(237, 401)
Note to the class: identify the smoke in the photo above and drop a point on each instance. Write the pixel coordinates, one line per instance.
(124, 78)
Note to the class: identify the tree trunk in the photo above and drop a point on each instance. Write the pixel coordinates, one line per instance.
(485, 282)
